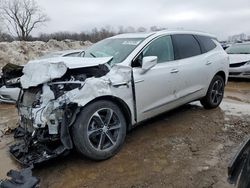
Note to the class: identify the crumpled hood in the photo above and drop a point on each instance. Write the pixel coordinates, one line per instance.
(41, 71)
(239, 58)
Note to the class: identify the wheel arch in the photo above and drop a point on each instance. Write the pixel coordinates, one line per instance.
(222, 74)
(120, 103)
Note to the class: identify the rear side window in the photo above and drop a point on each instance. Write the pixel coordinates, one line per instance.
(206, 43)
(185, 46)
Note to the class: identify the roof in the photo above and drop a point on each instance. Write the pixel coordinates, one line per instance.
(157, 33)
(133, 35)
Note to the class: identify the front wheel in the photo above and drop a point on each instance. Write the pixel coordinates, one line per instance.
(100, 130)
(215, 93)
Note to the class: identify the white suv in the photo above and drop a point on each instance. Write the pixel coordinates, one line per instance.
(91, 102)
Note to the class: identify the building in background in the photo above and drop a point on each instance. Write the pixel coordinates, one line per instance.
(238, 38)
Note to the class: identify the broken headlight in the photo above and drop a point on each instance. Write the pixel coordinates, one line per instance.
(60, 89)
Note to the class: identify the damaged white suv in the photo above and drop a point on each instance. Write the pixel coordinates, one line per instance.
(91, 102)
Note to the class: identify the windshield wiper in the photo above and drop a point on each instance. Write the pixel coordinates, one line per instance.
(81, 54)
(92, 54)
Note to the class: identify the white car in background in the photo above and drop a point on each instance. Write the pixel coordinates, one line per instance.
(239, 55)
(89, 103)
(64, 53)
(10, 94)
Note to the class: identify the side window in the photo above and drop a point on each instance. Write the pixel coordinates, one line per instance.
(207, 44)
(185, 45)
(162, 48)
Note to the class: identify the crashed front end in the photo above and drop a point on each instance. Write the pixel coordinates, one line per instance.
(52, 94)
(42, 126)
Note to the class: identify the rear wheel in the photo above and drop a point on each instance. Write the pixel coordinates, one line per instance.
(100, 130)
(215, 93)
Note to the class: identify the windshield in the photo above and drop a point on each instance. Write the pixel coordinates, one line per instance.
(118, 48)
(239, 49)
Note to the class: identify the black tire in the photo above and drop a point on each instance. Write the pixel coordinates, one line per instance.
(214, 94)
(94, 135)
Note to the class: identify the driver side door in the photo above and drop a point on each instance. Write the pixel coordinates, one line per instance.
(155, 90)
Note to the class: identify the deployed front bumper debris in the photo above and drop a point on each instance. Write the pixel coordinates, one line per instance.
(20, 179)
(239, 169)
(37, 147)
(29, 154)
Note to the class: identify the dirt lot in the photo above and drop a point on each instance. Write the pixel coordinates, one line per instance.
(188, 147)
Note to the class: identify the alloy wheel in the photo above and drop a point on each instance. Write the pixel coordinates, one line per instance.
(103, 129)
(217, 92)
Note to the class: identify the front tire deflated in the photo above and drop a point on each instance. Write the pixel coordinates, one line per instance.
(99, 130)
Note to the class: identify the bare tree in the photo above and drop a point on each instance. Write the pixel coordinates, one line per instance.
(22, 17)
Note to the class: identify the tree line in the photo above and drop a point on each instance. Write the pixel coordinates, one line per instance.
(93, 36)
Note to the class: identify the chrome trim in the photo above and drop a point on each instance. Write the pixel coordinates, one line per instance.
(139, 81)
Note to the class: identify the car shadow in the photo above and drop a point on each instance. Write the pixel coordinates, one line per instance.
(239, 79)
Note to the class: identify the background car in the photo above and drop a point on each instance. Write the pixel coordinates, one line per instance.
(239, 55)
(65, 53)
(10, 94)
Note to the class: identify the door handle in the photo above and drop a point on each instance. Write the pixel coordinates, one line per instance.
(138, 81)
(208, 63)
(174, 71)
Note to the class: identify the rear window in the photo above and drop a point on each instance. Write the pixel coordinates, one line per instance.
(206, 43)
(185, 46)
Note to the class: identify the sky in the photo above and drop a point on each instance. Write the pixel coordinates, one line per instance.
(219, 17)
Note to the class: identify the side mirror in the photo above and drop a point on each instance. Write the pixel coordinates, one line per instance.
(148, 63)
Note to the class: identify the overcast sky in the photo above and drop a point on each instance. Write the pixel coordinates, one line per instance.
(220, 17)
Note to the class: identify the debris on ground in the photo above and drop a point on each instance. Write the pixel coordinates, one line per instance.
(20, 179)
(7, 131)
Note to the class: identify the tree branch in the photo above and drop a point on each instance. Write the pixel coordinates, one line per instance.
(23, 16)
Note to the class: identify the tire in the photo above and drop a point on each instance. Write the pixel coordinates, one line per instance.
(214, 94)
(97, 134)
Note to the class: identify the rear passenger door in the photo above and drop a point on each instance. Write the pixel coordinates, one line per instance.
(193, 72)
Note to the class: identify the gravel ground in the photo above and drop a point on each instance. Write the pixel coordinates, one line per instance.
(187, 147)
